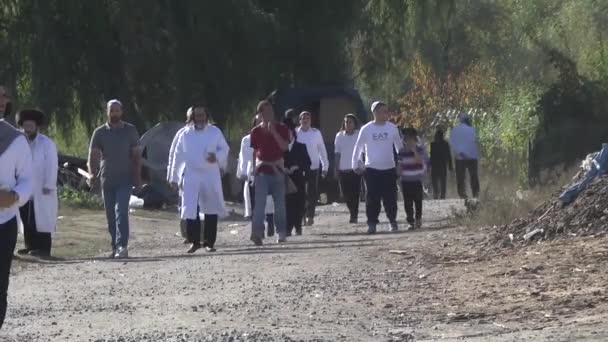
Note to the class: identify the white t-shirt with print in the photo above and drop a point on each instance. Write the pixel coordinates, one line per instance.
(377, 141)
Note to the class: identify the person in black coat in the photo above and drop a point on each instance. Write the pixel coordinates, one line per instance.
(297, 163)
(441, 160)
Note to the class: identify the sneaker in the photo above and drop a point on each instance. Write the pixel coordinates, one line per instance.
(23, 251)
(121, 253)
(257, 241)
(194, 247)
(371, 228)
(394, 226)
(210, 249)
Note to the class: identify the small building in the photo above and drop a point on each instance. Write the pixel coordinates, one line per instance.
(328, 106)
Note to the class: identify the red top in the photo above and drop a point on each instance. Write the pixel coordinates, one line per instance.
(266, 147)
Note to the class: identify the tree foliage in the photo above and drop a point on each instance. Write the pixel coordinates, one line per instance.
(69, 56)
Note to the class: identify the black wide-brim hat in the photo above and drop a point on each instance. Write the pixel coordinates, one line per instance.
(30, 115)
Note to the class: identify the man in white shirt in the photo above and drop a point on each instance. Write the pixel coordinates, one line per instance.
(39, 214)
(312, 138)
(15, 190)
(465, 147)
(379, 139)
(200, 152)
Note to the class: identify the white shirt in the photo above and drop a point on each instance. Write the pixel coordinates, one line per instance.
(315, 146)
(192, 147)
(463, 140)
(171, 161)
(16, 175)
(377, 141)
(245, 158)
(345, 146)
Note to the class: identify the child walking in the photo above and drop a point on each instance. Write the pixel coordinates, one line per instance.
(413, 161)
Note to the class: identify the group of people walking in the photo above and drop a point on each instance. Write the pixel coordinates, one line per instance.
(280, 163)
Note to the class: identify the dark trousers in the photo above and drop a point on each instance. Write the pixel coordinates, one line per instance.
(439, 177)
(209, 230)
(269, 217)
(381, 186)
(462, 166)
(184, 227)
(312, 192)
(296, 203)
(350, 183)
(412, 199)
(34, 240)
(8, 240)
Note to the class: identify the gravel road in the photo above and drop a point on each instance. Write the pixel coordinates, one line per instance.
(335, 283)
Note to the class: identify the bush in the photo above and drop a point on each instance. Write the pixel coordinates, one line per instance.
(81, 199)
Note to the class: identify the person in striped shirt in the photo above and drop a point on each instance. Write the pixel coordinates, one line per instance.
(413, 161)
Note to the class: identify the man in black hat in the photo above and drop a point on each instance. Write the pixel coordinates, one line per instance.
(39, 214)
(15, 189)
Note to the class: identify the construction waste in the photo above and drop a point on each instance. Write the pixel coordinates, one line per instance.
(581, 209)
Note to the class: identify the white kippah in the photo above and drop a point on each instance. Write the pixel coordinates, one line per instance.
(114, 101)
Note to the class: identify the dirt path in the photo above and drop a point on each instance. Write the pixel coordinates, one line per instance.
(333, 284)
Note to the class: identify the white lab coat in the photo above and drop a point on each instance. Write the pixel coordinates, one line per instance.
(45, 166)
(200, 182)
(245, 170)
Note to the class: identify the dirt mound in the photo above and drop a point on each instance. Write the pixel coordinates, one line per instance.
(587, 215)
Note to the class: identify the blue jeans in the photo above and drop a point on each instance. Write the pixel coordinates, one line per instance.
(116, 202)
(274, 185)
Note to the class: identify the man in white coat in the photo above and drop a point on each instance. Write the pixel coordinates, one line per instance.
(15, 189)
(200, 152)
(183, 223)
(39, 214)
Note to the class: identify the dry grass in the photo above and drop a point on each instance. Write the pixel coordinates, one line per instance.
(82, 233)
(503, 200)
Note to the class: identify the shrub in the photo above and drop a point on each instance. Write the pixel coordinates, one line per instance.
(81, 199)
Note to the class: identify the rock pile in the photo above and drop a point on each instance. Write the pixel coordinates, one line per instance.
(587, 215)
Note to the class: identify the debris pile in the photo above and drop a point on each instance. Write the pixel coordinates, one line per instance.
(580, 210)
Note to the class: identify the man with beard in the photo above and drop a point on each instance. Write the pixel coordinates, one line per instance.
(15, 190)
(201, 151)
(115, 157)
(39, 214)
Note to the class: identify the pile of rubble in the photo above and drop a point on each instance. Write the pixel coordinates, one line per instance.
(580, 210)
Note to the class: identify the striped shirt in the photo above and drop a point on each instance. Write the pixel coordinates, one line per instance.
(411, 170)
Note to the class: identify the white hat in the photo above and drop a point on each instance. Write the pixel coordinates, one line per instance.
(376, 104)
(114, 101)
